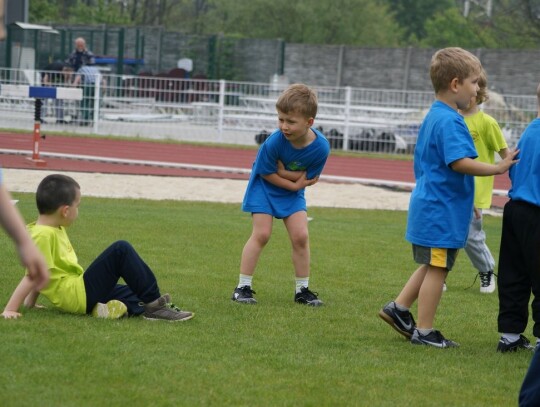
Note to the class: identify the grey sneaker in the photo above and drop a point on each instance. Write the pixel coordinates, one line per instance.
(401, 321)
(163, 309)
(434, 338)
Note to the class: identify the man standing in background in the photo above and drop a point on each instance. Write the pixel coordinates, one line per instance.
(87, 77)
(81, 55)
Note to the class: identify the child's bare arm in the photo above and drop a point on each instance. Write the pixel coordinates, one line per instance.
(285, 173)
(13, 223)
(21, 292)
(31, 299)
(503, 152)
(477, 168)
(284, 183)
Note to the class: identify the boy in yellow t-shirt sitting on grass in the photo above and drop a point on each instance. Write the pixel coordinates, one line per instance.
(95, 291)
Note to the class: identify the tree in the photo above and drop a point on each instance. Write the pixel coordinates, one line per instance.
(450, 28)
(513, 23)
(77, 12)
(45, 12)
(351, 22)
(412, 15)
(516, 23)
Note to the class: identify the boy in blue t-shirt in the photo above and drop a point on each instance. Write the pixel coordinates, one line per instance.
(519, 257)
(529, 394)
(441, 203)
(291, 159)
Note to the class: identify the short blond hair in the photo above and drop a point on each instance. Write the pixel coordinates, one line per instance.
(300, 99)
(450, 63)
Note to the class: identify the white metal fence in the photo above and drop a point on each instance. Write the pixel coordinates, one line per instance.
(238, 112)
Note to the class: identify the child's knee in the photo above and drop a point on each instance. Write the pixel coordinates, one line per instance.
(300, 239)
(262, 238)
(122, 245)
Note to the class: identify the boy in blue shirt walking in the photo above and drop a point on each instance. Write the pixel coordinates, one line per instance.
(441, 204)
(291, 159)
(519, 258)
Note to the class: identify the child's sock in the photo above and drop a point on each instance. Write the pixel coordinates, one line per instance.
(244, 280)
(424, 332)
(401, 307)
(301, 282)
(510, 337)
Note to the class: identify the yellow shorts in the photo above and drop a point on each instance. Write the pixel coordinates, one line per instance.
(435, 256)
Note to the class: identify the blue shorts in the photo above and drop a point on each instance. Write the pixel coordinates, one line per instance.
(435, 256)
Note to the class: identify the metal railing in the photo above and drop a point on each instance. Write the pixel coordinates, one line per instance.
(237, 112)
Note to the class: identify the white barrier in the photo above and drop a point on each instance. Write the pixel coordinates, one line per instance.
(40, 92)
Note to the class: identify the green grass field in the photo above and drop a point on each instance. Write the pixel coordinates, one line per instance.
(276, 353)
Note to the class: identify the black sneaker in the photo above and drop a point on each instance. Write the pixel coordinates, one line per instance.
(307, 297)
(434, 338)
(506, 346)
(401, 321)
(244, 295)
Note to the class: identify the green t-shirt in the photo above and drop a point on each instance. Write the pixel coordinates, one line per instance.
(66, 287)
(488, 139)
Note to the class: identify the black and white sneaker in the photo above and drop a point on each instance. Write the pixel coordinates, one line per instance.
(307, 297)
(401, 321)
(434, 338)
(506, 346)
(487, 282)
(244, 295)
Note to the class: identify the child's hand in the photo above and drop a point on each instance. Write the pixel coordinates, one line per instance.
(508, 161)
(312, 181)
(36, 266)
(303, 182)
(11, 314)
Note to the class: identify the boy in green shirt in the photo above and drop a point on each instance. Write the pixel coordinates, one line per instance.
(95, 291)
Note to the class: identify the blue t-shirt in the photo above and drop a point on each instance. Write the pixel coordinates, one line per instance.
(441, 203)
(529, 395)
(262, 196)
(525, 173)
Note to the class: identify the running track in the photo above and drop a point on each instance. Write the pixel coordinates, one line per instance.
(62, 153)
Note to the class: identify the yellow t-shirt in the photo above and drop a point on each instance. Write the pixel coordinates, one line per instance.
(488, 139)
(66, 287)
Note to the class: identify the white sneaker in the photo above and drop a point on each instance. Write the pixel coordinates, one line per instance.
(487, 282)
